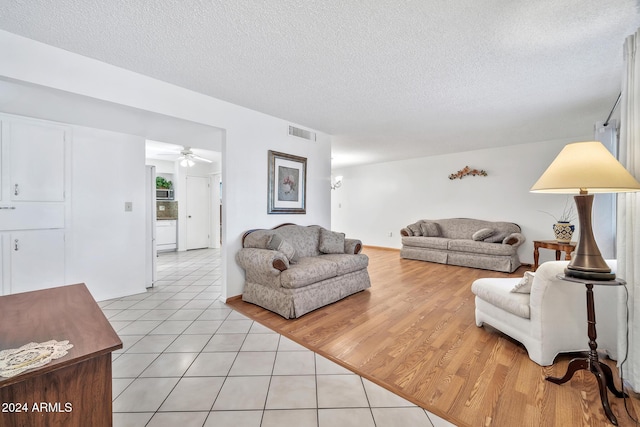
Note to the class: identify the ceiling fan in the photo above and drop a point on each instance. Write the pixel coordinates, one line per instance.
(187, 158)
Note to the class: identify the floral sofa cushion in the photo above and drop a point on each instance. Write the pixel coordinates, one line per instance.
(307, 271)
(347, 264)
(275, 281)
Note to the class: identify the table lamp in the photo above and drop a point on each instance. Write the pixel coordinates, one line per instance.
(586, 168)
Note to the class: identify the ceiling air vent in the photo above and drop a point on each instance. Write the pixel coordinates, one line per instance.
(302, 133)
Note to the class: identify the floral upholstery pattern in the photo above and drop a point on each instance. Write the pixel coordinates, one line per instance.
(307, 271)
(261, 261)
(277, 243)
(352, 246)
(483, 233)
(347, 264)
(472, 246)
(292, 303)
(460, 244)
(430, 229)
(303, 239)
(315, 280)
(464, 228)
(331, 242)
(426, 242)
(258, 239)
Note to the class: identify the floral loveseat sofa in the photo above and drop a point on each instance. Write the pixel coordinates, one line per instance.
(465, 242)
(293, 269)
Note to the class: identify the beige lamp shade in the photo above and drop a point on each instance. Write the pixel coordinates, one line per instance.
(585, 167)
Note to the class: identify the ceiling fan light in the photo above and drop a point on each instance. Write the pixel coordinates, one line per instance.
(184, 163)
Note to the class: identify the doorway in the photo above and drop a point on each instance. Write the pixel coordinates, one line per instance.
(198, 214)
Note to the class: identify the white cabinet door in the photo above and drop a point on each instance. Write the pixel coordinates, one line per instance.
(36, 160)
(31, 216)
(36, 259)
(166, 236)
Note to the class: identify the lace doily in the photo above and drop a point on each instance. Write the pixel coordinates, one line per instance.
(33, 355)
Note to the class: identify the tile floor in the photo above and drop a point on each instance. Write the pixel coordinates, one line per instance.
(190, 360)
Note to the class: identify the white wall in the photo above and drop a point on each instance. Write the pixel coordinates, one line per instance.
(379, 199)
(162, 166)
(249, 135)
(105, 246)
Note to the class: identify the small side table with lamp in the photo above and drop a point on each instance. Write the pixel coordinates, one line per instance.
(586, 168)
(591, 363)
(566, 247)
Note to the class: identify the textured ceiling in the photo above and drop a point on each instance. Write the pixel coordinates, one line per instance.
(389, 79)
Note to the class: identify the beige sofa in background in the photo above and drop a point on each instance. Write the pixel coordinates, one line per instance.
(490, 245)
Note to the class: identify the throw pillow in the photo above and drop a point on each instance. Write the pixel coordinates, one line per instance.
(277, 243)
(415, 229)
(331, 242)
(483, 233)
(430, 229)
(496, 238)
(258, 239)
(524, 285)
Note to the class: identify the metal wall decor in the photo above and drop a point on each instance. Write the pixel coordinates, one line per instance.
(467, 171)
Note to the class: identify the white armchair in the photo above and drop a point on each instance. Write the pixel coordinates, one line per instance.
(552, 318)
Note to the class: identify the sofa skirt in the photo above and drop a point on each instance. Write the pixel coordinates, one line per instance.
(423, 254)
(507, 264)
(292, 303)
(503, 263)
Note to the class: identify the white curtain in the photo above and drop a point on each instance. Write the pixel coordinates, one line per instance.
(628, 229)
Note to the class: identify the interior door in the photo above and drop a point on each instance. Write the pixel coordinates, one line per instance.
(198, 216)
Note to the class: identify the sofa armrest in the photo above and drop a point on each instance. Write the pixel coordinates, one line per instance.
(352, 246)
(514, 239)
(558, 305)
(264, 260)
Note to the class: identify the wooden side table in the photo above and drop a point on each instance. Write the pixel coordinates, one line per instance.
(591, 363)
(73, 391)
(567, 248)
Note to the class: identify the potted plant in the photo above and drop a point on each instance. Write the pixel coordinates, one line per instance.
(163, 183)
(563, 229)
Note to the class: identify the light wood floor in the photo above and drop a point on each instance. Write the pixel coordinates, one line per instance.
(414, 333)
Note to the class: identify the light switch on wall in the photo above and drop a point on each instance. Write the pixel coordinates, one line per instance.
(128, 206)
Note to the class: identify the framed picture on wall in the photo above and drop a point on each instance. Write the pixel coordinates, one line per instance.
(287, 184)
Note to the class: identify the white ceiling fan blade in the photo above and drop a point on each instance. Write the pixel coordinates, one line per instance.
(201, 159)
